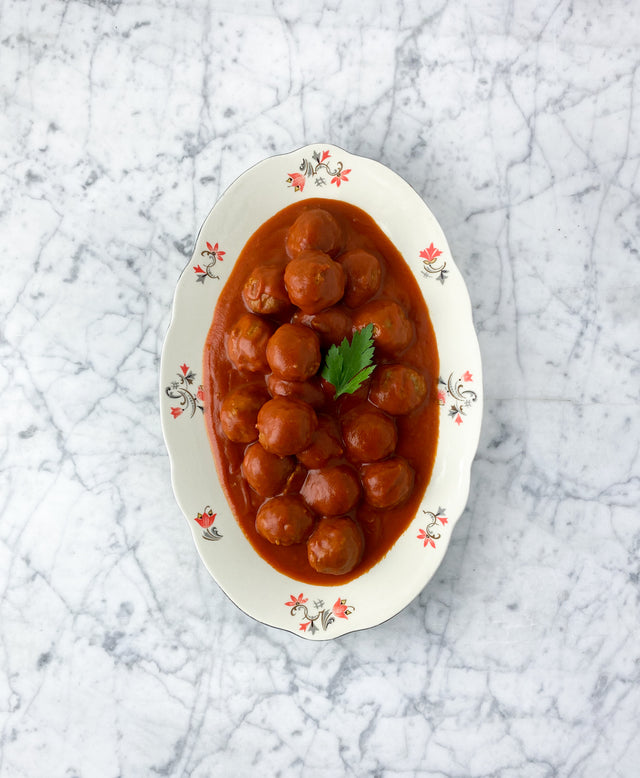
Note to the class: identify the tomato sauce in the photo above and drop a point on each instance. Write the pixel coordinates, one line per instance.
(417, 432)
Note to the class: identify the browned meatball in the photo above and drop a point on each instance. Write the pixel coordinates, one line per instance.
(247, 344)
(314, 229)
(387, 484)
(264, 291)
(266, 473)
(286, 426)
(307, 391)
(331, 491)
(392, 330)
(293, 352)
(325, 444)
(284, 520)
(314, 281)
(368, 434)
(239, 412)
(363, 273)
(397, 389)
(335, 546)
(332, 325)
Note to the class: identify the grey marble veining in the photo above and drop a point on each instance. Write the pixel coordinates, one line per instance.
(120, 125)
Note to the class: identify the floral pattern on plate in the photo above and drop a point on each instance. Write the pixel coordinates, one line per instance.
(325, 616)
(318, 169)
(462, 398)
(205, 520)
(427, 535)
(190, 400)
(214, 254)
(432, 266)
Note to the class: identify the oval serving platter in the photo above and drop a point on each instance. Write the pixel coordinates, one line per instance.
(320, 612)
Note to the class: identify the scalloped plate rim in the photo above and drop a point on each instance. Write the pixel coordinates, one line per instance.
(465, 460)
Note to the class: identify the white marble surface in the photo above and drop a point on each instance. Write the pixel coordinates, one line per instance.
(120, 125)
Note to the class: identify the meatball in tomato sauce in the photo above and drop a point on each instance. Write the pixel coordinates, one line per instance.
(239, 412)
(284, 520)
(363, 276)
(293, 352)
(397, 389)
(392, 330)
(387, 484)
(332, 325)
(335, 546)
(308, 391)
(314, 281)
(368, 434)
(247, 344)
(314, 229)
(325, 444)
(264, 291)
(266, 473)
(331, 491)
(286, 426)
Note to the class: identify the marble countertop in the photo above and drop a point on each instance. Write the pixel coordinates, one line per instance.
(121, 124)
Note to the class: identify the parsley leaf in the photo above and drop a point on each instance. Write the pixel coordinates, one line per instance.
(348, 365)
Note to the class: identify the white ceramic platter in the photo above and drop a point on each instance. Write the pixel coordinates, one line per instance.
(320, 612)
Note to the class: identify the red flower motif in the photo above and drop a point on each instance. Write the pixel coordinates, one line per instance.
(206, 519)
(467, 376)
(175, 412)
(297, 181)
(443, 519)
(214, 250)
(184, 368)
(442, 397)
(430, 254)
(325, 155)
(458, 420)
(342, 176)
(422, 535)
(304, 625)
(340, 608)
(299, 600)
(200, 392)
(198, 269)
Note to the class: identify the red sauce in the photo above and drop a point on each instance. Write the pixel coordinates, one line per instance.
(417, 432)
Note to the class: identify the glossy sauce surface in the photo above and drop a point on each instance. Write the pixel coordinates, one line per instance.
(417, 431)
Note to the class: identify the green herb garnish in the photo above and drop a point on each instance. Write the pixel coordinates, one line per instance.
(348, 365)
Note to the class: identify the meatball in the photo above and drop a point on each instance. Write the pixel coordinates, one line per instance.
(284, 520)
(397, 389)
(314, 281)
(325, 444)
(247, 344)
(331, 491)
(293, 352)
(364, 275)
(335, 546)
(368, 434)
(387, 484)
(307, 391)
(332, 325)
(266, 473)
(392, 330)
(239, 412)
(264, 291)
(286, 426)
(314, 229)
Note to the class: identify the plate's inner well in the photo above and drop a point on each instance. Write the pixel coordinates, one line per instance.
(367, 456)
